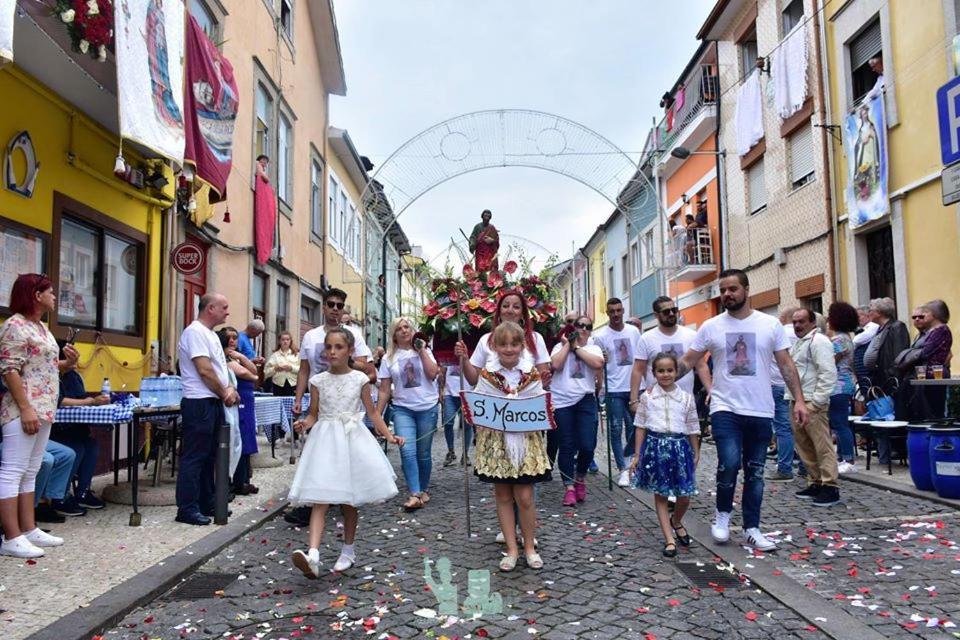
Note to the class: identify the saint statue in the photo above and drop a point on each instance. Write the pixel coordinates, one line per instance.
(485, 243)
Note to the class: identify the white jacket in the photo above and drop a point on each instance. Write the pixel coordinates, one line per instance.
(813, 356)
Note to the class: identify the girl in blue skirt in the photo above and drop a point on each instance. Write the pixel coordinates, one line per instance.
(668, 439)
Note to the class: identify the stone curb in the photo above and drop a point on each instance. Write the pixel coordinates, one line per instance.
(833, 621)
(902, 489)
(108, 609)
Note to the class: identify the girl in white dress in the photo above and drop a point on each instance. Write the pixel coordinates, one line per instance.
(341, 462)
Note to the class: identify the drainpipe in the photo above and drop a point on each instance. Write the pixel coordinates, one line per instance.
(826, 143)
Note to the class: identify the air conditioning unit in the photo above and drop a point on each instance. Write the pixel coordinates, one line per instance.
(779, 257)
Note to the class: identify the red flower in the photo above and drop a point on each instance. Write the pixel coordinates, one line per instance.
(476, 286)
(550, 308)
(494, 280)
(448, 312)
(431, 308)
(510, 267)
(469, 271)
(454, 295)
(475, 319)
(532, 301)
(489, 305)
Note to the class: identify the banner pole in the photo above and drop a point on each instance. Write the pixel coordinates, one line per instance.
(606, 391)
(463, 417)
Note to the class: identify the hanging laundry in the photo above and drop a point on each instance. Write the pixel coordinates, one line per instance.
(749, 114)
(789, 70)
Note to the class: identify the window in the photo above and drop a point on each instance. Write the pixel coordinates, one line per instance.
(316, 197)
(748, 53)
(285, 160)
(611, 285)
(283, 307)
(264, 123)
(356, 242)
(342, 219)
(79, 257)
(648, 247)
(635, 260)
(121, 258)
(258, 295)
(756, 187)
(624, 272)
(205, 18)
(814, 303)
(309, 315)
(286, 18)
(333, 196)
(22, 250)
(792, 15)
(801, 156)
(862, 48)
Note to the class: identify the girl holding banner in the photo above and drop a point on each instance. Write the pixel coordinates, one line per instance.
(512, 461)
(575, 363)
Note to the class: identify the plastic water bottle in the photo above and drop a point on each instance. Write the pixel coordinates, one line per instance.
(164, 392)
(146, 392)
(105, 388)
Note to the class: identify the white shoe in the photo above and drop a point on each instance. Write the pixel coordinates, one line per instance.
(344, 562)
(624, 479)
(40, 538)
(757, 540)
(309, 566)
(845, 468)
(501, 539)
(720, 529)
(20, 547)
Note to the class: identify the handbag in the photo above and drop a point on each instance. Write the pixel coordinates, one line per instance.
(880, 405)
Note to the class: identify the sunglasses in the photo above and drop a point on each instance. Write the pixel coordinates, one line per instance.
(920, 317)
(671, 310)
(582, 325)
(334, 305)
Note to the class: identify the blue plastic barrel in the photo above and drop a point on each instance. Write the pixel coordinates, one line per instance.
(945, 461)
(918, 456)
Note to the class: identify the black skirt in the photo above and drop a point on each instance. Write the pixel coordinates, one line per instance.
(546, 476)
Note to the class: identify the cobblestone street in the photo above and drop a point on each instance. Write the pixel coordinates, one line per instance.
(886, 559)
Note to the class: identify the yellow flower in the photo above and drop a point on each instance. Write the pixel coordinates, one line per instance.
(473, 303)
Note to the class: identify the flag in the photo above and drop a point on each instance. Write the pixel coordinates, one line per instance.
(210, 102)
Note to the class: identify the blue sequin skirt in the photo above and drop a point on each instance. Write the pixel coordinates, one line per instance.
(666, 465)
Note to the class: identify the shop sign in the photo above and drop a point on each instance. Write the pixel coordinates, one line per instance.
(187, 258)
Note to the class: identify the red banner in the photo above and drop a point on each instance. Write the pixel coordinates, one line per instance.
(210, 103)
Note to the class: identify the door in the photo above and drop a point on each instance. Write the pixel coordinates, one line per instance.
(880, 263)
(194, 286)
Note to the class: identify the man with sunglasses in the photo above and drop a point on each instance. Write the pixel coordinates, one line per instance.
(667, 337)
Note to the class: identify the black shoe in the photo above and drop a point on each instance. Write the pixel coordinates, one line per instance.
(811, 492)
(828, 496)
(464, 461)
(44, 512)
(450, 459)
(212, 514)
(68, 507)
(683, 539)
(670, 550)
(90, 501)
(193, 518)
(299, 516)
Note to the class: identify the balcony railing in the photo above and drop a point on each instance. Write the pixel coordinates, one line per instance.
(691, 254)
(700, 89)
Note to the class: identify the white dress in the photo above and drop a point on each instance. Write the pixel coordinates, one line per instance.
(342, 462)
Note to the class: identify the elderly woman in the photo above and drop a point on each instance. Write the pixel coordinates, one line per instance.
(930, 348)
(29, 365)
(880, 357)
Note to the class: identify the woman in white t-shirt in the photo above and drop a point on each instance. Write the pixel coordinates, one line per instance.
(576, 361)
(408, 373)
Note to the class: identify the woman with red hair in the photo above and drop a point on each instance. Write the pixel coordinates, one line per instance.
(29, 365)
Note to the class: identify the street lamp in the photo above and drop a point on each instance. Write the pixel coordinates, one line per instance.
(682, 153)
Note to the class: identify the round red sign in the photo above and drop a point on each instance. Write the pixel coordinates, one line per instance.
(187, 258)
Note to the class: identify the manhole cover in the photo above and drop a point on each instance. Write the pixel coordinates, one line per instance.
(708, 576)
(201, 585)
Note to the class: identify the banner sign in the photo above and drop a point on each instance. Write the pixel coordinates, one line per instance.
(149, 50)
(514, 415)
(865, 145)
(8, 12)
(211, 110)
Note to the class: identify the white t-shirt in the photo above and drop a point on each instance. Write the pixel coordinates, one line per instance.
(313, 352)
(621, 348)
(452, 386)
(742, 351)
(575, 380)
(776, 378)
(656, 341)
(411, 387)
(197, 340)
(484, 356)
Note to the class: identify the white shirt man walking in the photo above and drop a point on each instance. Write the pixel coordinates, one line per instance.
(206, 389)
(814, 358)
(667, 337)
(743, 343)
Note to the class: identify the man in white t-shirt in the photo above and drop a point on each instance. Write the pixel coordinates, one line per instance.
(666, 337)
(743, 344)
(206, 389)
(620, 343)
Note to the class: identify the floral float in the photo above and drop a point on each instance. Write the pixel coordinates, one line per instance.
(89, 23)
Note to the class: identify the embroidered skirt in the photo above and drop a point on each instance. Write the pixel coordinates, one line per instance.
(492, 463)
(666, 465)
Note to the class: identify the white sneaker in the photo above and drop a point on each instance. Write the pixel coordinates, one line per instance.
(309, 566)
(757, 540)
(344, 562)
(624, 479)
(720, 529)
(501, 539)
(845, 468)
(40, 538)
(20, 547)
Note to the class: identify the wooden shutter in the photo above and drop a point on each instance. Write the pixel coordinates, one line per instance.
(866, 45)
(801, 154)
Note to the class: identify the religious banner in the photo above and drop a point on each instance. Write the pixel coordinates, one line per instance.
(513, 415)
(865, 145)
(210, 103)
(8, 13)
(149, 50)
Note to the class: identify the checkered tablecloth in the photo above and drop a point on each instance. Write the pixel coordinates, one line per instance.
(275, 411)
(103, 414)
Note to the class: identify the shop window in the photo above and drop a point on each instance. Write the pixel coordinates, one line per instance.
(22, 250)
(801, 156)
(283, 307)
(792, 15)
(756, 187)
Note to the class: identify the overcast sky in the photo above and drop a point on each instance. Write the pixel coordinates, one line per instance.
(414, 63)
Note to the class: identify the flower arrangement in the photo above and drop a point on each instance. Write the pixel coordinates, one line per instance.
(89, 23)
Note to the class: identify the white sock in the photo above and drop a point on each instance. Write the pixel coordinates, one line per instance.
(313, 555)
(348, 551)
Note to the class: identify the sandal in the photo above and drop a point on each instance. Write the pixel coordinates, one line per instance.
(682, 538)
(424, 497)
(670, 550)
(414, 503)
(534, 561)
(508, 563)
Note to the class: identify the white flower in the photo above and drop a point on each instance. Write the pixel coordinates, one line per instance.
(102, 53)
(68, 15)
(92, 8)
(84, 46)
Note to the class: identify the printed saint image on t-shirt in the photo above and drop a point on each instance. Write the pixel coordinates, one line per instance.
(411, 374)
(577, 370)
(741, 354)
(674, 349)
(624, 353)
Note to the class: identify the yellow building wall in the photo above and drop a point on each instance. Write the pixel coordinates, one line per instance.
(340, 273)
(599, 285)
(34, 108)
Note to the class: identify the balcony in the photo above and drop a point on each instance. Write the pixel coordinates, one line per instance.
(691, 255)
(694, 120)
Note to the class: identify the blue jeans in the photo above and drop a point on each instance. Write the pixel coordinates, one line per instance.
(741, 438)
(577, 433)
(86, 451)
(62, 471)
(839, 414)
(43, 476)
(783, 430)
(451, 409)
(417, 428)
(620, 420)
(195, 477)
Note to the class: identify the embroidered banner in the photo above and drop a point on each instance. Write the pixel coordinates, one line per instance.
(210, 103)
(516, 415)
(865, 145)
(149, 49)
(8, 12)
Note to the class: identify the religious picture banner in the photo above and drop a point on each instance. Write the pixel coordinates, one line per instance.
(150, 51)
(210, 102)
(8, 13)
(513, 415)
(865, 145)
